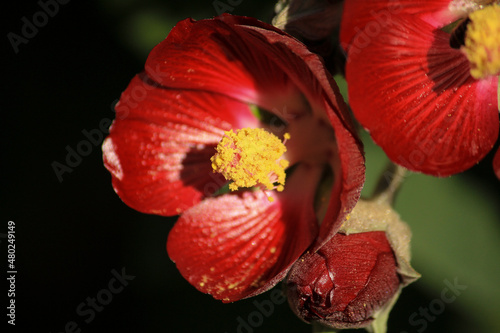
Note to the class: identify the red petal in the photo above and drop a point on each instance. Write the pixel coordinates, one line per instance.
(355, 258)
(415, 96)
(160, 145)
(374, 15)
(240, 245)
(496, 163)
(216, 55)
(349, 176)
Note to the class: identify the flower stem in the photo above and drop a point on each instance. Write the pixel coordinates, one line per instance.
(389, 183)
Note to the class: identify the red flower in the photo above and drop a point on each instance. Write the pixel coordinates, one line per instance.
(202, 80)
(432, 107)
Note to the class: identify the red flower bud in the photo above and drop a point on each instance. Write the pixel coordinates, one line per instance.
(346, 281)
(356, 277)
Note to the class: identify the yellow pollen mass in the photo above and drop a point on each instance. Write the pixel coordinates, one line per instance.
(251, 157)
(482, 42)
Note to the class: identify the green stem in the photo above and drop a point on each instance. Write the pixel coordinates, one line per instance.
(389, 183)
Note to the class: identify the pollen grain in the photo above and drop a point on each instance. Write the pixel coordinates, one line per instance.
(482, 42)
(251, 157)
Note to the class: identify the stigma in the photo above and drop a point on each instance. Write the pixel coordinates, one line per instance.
(251, 157)
(482, 42)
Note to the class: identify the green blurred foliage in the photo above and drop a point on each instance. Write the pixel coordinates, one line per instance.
(456, 233)
(143, 24)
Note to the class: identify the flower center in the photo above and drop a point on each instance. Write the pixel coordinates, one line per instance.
(482, 42)
(251, 157)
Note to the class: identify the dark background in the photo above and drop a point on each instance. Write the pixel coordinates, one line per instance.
(71, 234)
